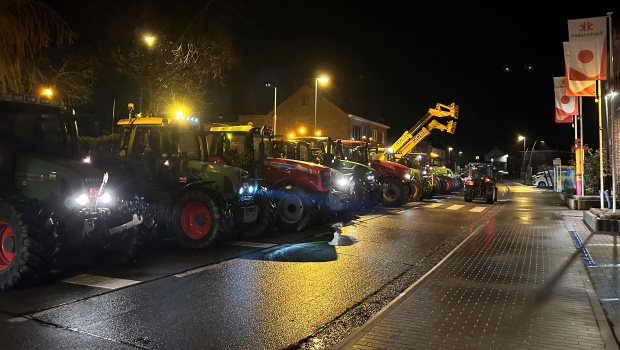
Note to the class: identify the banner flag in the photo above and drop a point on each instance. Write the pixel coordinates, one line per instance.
(577, 87)
(565, 106)
(587, 39)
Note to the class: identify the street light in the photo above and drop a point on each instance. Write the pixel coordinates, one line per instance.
(449, 150)
(460, 152)
(322, 79)
(149, 39)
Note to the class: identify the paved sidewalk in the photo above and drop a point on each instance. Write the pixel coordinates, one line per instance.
(532, 277)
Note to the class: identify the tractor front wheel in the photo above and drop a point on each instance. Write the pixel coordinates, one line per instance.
(26, 247)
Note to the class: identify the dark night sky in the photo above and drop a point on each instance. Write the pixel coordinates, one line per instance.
(394, 59)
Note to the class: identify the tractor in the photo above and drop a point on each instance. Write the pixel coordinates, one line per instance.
(300, 191)
(161, 172)
(53, 206)
(480, 183)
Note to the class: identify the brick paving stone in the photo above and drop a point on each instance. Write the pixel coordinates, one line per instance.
(526, 279)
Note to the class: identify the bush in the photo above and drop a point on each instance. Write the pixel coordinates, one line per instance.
(104, 146)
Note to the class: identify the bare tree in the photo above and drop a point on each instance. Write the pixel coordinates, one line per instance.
(27, 28)
(178, 67)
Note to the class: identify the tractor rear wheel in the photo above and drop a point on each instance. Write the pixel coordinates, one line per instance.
(196, 220)
(26, 247)
(468, 194)
(394, 193)
(294, 208)
(489, 194)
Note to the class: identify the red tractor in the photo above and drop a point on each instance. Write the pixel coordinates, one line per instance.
(300, 191)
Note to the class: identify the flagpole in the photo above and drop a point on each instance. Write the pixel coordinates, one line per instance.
(600, 141)
(581, 144)
(610, 83)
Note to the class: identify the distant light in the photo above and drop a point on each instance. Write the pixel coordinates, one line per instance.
(529, 68)
(506, 69)
(180, 113)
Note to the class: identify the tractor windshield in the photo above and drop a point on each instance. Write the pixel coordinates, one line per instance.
(479, 171)
(36, 130)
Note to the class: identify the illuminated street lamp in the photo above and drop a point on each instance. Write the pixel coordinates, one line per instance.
(460, 152)
(149, 40)
(322, 79)
(449, 150)
(47, 92)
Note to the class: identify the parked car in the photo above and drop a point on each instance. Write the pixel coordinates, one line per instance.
(543, 180)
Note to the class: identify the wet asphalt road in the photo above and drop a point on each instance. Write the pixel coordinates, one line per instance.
(279, 291)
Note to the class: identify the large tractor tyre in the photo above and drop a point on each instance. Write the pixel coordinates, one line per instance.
(266, 218)
(373, 199)
(324, 215)
(295, 210)
(418, 191)
(441, 184)
(359, 196)
(26, 247)
(468, 194)
(394, 193)
(489, 194)
(129, 246)
(196, 220)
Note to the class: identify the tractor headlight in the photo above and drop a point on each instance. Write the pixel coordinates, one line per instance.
(407, 176)
(246, 188)
(342, 182)
(82, 199)
(106, 198)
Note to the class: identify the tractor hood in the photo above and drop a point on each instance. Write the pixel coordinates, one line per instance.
(45, 176)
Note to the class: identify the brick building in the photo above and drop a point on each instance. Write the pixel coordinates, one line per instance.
(295, 115)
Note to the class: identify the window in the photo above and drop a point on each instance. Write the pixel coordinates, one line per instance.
(305, 100)
(374, 135)
(357, 132)
(383, 137)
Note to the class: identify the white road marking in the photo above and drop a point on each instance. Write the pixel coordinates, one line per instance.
(100, 281)
(455, 207)
(191, 272)
(433, 205)
(252, 244)
(477, 209)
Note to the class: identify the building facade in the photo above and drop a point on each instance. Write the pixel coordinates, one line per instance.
(296, 116)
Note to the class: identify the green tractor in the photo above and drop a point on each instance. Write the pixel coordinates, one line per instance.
(52, 205)
(161, 171)
(353, 178)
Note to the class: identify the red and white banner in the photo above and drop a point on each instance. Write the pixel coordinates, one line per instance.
(565, 106)
(577, 87)
(587, 39)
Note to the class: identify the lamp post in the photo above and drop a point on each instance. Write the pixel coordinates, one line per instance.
(529, 165)
(449, 150)
(150, 41)
(275, 104)
(460, 152)
(316, 95)
(522, 138)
